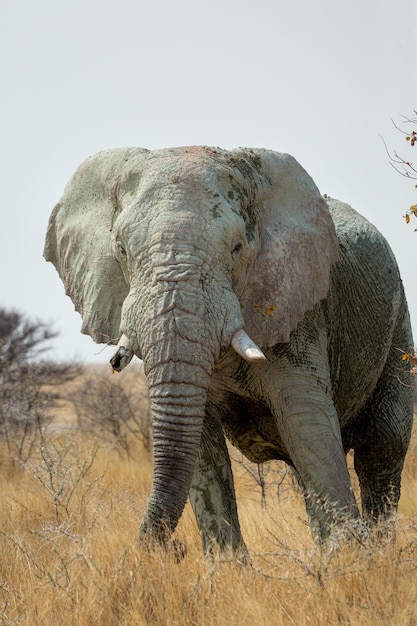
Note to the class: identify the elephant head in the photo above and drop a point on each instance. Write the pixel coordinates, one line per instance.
(182, 254)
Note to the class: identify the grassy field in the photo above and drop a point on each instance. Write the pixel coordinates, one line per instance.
(69, 553)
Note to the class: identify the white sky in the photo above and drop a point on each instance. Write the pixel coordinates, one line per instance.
(319, 80)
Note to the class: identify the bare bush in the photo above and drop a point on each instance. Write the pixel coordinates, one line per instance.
(266, 476)
(63, 471)
(114, 406)
(28, 383)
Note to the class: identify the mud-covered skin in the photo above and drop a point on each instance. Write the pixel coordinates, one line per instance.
(369, 386)
(237, 387)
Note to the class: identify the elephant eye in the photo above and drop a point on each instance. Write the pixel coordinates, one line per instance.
(121, 249)
(238, 247)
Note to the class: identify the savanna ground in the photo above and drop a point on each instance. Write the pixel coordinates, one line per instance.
(70, 555)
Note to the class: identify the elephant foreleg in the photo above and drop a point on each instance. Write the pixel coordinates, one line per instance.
(312, 435)
(212, 493)
(308, 425)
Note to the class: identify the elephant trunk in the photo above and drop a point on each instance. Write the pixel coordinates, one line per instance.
(177, 420)
(179, 350)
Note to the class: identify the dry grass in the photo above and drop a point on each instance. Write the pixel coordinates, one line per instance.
(69, 554)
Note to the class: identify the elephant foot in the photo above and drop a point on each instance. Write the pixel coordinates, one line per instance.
(347, 532)
(241, 555)
(218, 554)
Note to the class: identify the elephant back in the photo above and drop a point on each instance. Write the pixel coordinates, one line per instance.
(366, 310)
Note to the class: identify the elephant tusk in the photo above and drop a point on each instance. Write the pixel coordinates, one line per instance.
(247, 349)
(123, 354)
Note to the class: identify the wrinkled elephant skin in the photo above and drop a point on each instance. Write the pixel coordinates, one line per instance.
(263, 313)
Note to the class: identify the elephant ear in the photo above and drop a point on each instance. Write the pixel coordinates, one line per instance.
(297, 248)
(78, 240)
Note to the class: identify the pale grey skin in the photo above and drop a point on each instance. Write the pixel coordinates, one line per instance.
(178, 249)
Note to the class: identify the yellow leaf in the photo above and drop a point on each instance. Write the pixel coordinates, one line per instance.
(407, 138)
(405, 357)
(413, 209)
(270, 310)
(407, 218)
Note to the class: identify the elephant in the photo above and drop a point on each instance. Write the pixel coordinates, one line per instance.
(265, 314)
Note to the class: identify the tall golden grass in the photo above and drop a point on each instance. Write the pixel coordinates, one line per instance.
(70, 555)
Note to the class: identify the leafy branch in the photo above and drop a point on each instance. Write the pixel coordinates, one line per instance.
(402, 166)
(410, 358)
